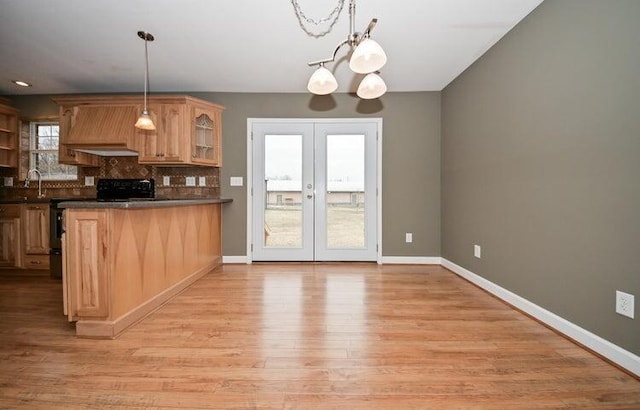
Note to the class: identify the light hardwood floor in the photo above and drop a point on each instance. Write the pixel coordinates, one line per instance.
(305, 336)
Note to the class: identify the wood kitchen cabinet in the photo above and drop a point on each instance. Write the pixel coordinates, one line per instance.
(206, 138)
(188, 131)
(35, 236)
(166, 143)
(10, 244)
(66, 155)
(8, 135)
(94, 126)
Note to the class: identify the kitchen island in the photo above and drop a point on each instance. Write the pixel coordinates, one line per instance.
(122, 260)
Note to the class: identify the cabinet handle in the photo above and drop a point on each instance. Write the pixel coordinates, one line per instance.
(35, 262)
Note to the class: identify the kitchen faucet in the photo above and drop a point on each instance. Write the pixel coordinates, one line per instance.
(39, 175)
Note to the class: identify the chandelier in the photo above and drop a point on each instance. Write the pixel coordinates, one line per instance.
(367, 57)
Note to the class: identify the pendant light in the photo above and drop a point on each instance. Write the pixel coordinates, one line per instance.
(144, 121)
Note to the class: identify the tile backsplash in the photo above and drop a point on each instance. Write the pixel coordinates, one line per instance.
(119, 167)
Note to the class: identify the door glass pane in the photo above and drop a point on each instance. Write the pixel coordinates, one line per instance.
(345, 191)
(283, 191)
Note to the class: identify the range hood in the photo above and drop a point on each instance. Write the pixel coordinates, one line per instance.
(105, 129)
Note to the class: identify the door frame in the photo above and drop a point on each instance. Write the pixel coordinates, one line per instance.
(376, 120)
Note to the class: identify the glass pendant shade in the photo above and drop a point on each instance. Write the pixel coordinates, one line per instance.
(322, 82)
(372, 86)
(145, 122)
(367, 57)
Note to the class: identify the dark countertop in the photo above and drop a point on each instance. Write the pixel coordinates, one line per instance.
(141, 203)
(24, 200)
(40, 200)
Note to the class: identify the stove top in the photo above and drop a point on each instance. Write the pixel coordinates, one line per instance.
(125, 189)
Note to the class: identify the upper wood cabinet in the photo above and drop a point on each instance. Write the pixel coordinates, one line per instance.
(8, 135)
(188, 131)
(206, 136)
(166, 143)
(67, 155)
(93, 126)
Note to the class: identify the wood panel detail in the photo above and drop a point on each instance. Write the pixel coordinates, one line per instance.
(148, 255)
(88, 279)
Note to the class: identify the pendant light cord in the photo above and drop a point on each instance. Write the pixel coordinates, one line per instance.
(146, 71)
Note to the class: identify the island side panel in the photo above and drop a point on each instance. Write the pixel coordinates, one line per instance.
(151, 255)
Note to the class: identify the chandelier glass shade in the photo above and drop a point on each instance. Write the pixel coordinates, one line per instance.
(322, 81)
(371, 86)
(367, 57)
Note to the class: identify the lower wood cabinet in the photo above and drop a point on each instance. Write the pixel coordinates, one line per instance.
(24, 236)
(35, 236)
(10, 244)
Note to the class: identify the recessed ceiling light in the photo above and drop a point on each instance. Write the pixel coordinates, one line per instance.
(21, 83)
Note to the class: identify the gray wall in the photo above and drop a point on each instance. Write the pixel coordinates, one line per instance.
(410, 157)
(541, 163)
(410, 160)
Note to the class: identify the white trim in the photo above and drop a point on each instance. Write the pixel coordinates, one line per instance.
(615, 353)
(379, 188)
(235, 259)
(423, 260)
(250, 122)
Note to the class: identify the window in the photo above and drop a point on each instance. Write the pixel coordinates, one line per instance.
(43, 152)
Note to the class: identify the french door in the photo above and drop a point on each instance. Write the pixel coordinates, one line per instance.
(314, 190)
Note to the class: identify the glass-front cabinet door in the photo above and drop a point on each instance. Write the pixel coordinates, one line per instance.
(206, 136)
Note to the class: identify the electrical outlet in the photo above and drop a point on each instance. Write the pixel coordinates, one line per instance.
(190, 181)
(235, 181)
(166, 180)
(625, 304)
(408, 237)
(202, 181)
(477, 251)
(88, 181)
(8, 181)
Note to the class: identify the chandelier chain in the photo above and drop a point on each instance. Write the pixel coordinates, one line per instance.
(332, 18)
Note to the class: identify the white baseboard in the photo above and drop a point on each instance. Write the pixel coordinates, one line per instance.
(423, 260)
(616, 354)
(435, 260)
(235, 259)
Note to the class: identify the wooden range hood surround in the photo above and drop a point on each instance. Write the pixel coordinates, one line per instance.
(101, 125)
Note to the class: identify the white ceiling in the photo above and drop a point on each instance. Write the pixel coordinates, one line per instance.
(87, 46)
